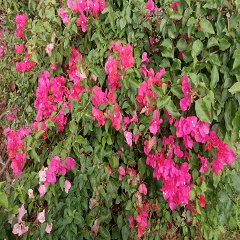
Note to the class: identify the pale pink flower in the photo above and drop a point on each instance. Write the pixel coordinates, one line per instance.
(67, 186)
(42, 190)
(41, 216)
(49, 49)
(42, 176)
(30, 193)
(49, 228)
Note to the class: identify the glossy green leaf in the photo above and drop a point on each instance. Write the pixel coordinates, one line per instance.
(206, 26)
(214, 77)
(202, 111)
(197, 47)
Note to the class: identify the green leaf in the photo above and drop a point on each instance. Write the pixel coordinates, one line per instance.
(141, 166)
(125, 232)
(212, 41)
(202, 111)
(3, 200)
(73, 127)
(133, 82)
(129, 205)
(224, 44)
(122, 23)
(34, 155)
(157, 90)
(235, 88)
(80, 69)
(214, 77)
(79, 220)
(168, 53)
(167, 43)
(171, 108)
(236, 127)
(236, 62)
(182, 44)
(62, 182)
(177, 90)
(222, 196)
(206, 26)
(229, 114)
(197, 47)
(236, 182)
(176, 15)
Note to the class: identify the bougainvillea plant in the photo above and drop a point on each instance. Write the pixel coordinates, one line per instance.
(125, 119)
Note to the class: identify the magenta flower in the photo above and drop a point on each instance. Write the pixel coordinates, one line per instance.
(64, 16)
(143, 70)
(144, 57)
(53, 67)
(185, 102)
(204, 166)
(121, 172)
(130, 219)
(150, 6)
(155, 123)
(142, 189)
(70, 163)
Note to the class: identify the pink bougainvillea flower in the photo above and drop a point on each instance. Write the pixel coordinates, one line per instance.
(41, 216)
(150, 6)
(98, 115)
(143, 70)
(42, 176)
(21, 212)
(142, 189)
(130, 219)
(204, 166)
(67, 186)
(116, 117)
(185, 102)
(42, 190)
(151, 40)
(64, 16)
(54, 67)
(112, 45)
(111, 97)
(10, 117)
(70, 163)
(109, 170)
(144, 57)
(81, 21)
(202, 201)
(134, 118)
(19, 49)
(19, 228)
(20, 21)
(49, 49)
(121, 172)
(49, 227)
(177, 151)
(128, 136)
(155, 123)
(102, 5)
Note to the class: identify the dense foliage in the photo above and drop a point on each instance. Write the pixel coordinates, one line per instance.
(123, 119)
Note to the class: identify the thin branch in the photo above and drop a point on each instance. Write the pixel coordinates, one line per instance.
(5, 166)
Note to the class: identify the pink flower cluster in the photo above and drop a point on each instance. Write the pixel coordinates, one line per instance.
(116, 117)
(185, 101)
(81, 6)
(15, 147)
(111, 69)
(2, 46)
(145, 89)
(20, 228)
(20, 21)
(47, 104)
(141, 219)
(73, 70)
(25, 65)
